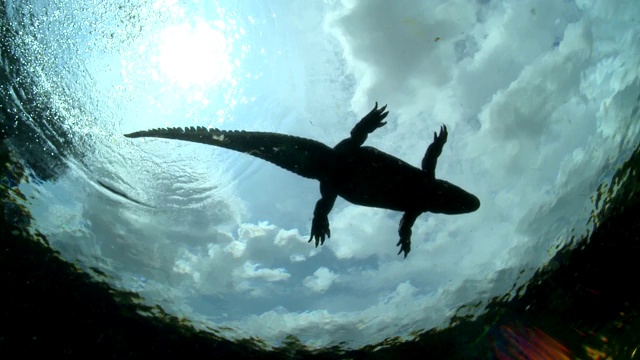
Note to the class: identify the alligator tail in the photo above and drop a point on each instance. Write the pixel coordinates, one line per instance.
(305, 157)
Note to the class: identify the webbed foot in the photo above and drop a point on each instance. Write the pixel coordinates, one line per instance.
(319, 229)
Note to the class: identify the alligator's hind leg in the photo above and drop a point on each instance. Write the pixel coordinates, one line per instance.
(404, 230)
(320, 222)
(364, 127)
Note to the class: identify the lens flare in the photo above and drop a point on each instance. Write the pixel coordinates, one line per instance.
(521, 342)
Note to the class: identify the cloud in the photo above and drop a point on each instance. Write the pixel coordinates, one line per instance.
(537, 96)
(399, 311)
(259, 254)
(250, 270)
(321, 280)
(396, 50)
(360, 232)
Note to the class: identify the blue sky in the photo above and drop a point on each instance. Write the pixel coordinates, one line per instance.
(536, 96)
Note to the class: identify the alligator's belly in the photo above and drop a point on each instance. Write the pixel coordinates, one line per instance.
(370, 177)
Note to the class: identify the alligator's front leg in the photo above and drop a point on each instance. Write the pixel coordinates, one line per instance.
(368, 124)
(408, 218)
(430, 159)
(320, 222)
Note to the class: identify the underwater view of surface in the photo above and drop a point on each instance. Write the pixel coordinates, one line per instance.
(540, 99)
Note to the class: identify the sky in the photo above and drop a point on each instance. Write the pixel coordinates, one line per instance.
(537, 97)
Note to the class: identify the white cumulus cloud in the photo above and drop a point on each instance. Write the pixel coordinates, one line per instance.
(321, 280)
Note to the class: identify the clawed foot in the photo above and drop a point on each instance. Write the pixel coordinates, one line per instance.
(440, 139)
(373, 119)
(405, 246)
(319, 229)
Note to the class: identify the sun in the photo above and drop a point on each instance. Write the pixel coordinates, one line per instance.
(194, 54)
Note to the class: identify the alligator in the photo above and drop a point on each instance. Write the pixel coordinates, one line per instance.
(362, 175)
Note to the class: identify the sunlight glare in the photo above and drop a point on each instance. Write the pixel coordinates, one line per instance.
(191, 55)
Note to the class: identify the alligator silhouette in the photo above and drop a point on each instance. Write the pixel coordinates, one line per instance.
(362, 175)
